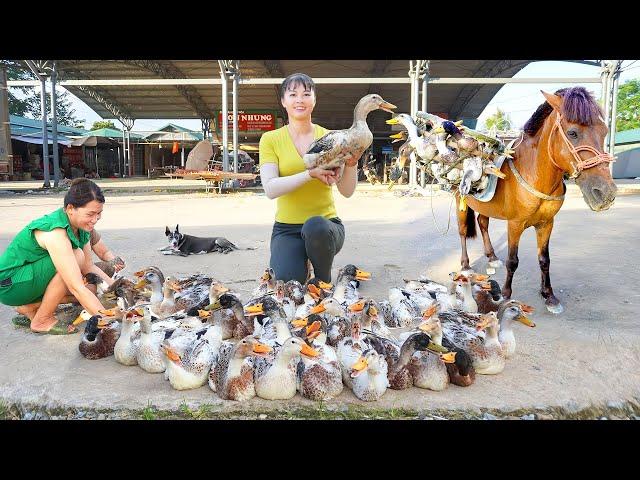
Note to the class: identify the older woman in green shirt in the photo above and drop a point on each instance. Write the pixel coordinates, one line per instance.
(44, 264)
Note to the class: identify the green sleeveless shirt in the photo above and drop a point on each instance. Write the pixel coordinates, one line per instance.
(24, 248)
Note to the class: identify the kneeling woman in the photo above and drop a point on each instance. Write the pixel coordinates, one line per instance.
(307, 227)
(43, 265)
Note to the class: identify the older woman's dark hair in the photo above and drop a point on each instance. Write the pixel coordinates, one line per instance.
(81, 192)
(295, 79)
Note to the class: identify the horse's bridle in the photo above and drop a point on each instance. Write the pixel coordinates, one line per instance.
(579, 165)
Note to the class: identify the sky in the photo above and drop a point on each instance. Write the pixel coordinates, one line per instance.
(517, 100)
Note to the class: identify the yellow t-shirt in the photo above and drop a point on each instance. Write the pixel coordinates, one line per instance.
(311, 199)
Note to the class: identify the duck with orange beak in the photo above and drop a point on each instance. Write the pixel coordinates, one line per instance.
(232, 378)
(511, 311)
(228, 313)
(275, 378)
(368, 376)
(126, 348)
(349, 278)
(429, 369)
(276, 330)
(188, 368)
(350, 349)
(99, 338)
(480, 341)
(334, 148)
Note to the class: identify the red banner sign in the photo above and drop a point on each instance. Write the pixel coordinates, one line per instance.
(250, 121)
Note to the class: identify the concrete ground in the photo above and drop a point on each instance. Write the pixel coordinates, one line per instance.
(586, 357)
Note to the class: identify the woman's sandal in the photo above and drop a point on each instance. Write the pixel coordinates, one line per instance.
(58, 328)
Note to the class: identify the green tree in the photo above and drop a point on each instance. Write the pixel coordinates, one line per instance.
(499, 121)
(103, 124)
(628, 113)
(25, 101)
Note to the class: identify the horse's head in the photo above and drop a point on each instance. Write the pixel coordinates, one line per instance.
(575, 133)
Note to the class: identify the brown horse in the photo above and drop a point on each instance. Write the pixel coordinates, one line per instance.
(564, 135)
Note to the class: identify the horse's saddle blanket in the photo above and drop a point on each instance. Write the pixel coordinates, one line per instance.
(487, 194)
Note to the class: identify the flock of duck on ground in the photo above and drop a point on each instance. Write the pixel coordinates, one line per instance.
(313, 338)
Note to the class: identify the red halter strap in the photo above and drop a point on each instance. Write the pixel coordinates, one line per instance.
(579, 165)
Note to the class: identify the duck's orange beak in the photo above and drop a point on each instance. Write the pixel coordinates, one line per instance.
(387, 107)
(299, 322)
(254, 310)
(307, 351)
(103, 323)
(356, 307)
(171, 353)
(324, 285)
(313, 291)
(318, 309)
(480, 277)
(204, 314)
(362, 275)
(429, 312)
(314, 327)
(141, 284)
(448, 357)
(359, 367)
(261, 348)
(526, 320)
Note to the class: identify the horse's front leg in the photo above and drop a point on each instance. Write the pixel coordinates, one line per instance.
(514, 231)
(494, 262)
(543, 233)
(466, 228)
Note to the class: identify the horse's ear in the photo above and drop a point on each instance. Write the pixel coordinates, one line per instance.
(554, 100)
(167, 232)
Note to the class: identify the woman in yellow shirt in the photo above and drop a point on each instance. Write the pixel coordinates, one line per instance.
(307, 227)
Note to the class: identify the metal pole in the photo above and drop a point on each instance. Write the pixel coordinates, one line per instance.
(614, 108)
(235, 122)
(124, 152)
(413, 74)
(129, 172)
(225, 114)
(6, 153)
(54, 128)
(45, 134)
(425, 81)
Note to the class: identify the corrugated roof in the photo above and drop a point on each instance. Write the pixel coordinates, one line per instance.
(23, 124)
(111, 133)
(334, 109)
(171, 128)
(628, 136)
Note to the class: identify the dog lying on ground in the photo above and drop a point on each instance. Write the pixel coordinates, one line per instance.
(181, 244)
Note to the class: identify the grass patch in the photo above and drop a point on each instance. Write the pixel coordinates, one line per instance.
(150, 412)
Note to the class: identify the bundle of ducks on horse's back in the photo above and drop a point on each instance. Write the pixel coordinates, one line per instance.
(334, 148)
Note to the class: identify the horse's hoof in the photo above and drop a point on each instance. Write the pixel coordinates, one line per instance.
(491, 271)
(555, 309)
(496, 263)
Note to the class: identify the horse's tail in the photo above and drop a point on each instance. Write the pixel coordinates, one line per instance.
(471, 223)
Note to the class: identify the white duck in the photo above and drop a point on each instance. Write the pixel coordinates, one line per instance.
(275, 379)
(368, 376)
(190, 367)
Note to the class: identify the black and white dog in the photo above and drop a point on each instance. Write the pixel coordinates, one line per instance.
(181, 244)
